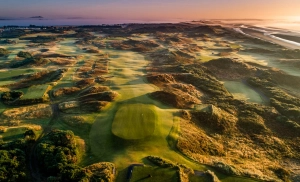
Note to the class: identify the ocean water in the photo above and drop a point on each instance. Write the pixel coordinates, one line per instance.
(74, 22)
(279, 24)
(286, 25)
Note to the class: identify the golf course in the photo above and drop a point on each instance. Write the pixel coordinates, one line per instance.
(135, 126)
(147, 102)
(134, 121)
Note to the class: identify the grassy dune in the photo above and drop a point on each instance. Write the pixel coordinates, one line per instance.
(135, 126)
(127, 69)
(134, 121)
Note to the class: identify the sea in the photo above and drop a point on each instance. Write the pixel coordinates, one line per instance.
(75, 22)
(289, 25)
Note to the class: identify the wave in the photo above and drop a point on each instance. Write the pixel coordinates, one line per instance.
(266, 33)
(281, 39)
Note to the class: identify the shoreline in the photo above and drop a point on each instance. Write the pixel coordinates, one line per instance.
(269, 37)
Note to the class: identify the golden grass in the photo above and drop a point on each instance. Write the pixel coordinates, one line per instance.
(28, 112)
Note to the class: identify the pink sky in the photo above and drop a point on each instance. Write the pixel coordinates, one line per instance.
(153, 9)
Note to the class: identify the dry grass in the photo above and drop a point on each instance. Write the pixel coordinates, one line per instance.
(84, 83)
(215, 119)
(62, 61)
(30, 112)
(93, 106)
(94, 89)
(225, 68)
(73, 120)
(176, 98)
(103, 171)
(194, 142)
(93, 68)
(233, 154)
(65, 91)
(68, 105)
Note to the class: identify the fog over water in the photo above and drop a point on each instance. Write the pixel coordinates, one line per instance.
(57, 22)
(281, 24)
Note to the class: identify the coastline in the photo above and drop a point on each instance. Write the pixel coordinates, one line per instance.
(270, 38)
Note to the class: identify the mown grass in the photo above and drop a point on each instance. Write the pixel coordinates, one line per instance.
(35, 92)
(13, 133)
(235, 46)
(241, 91)
(199, 179)
(41, 122)
(15, 72)
(134, 121)
(205, 58)
(174, 133)
(127, 69)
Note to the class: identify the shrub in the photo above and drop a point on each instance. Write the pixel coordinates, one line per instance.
(24, 54)
(211, 175)
(161, 162)
(225, 168)
(11, 96)
(3, 52)
(56, 151)
(13, 161)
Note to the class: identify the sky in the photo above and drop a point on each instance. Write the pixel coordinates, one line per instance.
(152, 9)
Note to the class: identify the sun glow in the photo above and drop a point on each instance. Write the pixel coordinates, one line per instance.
(293, 18)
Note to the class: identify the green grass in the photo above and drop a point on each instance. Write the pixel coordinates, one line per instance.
(14, 133)
(205, 58)
(134, 121)
(2, 83)
(235, 46)
(141, 173)
(15, 72)
(174, 133)
(35, 92)
(194, 178)
(241, 91)
(226, 178)
(2, 107)
(41, 122)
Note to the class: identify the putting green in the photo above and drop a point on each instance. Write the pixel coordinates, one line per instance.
(134, 121)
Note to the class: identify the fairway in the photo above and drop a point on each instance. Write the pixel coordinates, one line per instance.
(153, 174)
(134, 121)
(13, 133)
(6, 74)
(35, 91)
(242, 91)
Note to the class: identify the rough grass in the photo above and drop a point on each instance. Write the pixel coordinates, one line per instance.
(134, 121)
(29, 112)
(65, 91)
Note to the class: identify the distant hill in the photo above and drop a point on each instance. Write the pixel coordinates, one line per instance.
(36, 17)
